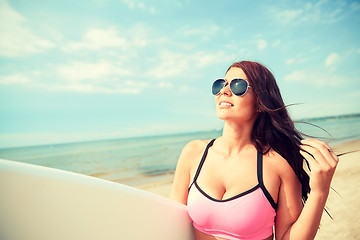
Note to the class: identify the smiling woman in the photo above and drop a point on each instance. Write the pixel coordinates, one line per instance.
(251, 180)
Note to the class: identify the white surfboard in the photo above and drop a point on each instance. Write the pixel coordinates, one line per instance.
(40, 203)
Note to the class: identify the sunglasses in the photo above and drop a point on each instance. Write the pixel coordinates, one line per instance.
(238, 86)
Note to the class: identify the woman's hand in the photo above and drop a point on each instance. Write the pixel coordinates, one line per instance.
(322, 161)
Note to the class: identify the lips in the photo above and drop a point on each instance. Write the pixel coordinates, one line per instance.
(225, 104)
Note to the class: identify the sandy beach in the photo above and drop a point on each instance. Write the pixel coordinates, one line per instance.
(343, 204)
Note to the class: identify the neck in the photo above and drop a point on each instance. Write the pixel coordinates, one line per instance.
(236, 137)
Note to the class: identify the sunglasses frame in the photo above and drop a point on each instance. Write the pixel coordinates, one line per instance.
(229, 83)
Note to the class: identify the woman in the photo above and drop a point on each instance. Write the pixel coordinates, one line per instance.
(251, 180)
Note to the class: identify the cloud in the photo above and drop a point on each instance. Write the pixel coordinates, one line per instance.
(296, 60)
(261, 44)
(287, 16)
(170, 64)
(92, 77)
(314, 78)
(322, 11)
(175, 64)
(85, 77)
(126, 88)
(132, 4)
(295, 76)
(18, 38)
(17, 78)
(111, 38)
(276, 43)
(96, 39)
(78, 71)
(332, 59)
(355, 6)
(165, 85)
(206, 30)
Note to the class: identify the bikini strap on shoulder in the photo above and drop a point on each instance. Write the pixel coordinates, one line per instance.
(261, 180)
(203, 159)
(260, 168)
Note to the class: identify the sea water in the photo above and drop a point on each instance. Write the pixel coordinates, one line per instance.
(132, 161)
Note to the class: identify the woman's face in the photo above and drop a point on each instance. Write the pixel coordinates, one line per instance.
(234, 108)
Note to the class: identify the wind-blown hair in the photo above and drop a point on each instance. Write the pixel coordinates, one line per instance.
(273, 128)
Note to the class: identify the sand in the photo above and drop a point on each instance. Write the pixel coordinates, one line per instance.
(343, 206)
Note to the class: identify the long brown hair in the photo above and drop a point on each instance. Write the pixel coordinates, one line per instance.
(273, 128)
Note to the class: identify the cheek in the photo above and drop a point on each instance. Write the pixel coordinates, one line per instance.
(246, 108)
(247, 103)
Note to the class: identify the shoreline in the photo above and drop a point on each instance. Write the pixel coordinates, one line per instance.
(342, 203)
(159, 184)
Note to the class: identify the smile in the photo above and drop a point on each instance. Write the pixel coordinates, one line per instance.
(226, 104)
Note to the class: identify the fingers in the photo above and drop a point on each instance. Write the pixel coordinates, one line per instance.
(320, 152)
(310, 159)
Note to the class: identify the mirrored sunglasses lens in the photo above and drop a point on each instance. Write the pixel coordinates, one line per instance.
(217, 86)
(238, 86)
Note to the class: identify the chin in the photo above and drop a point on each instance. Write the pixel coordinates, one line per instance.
(224, 117)
(231, 117)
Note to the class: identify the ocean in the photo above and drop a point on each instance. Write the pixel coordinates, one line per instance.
(132, 161)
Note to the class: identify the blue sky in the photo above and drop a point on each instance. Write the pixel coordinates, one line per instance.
(98, 69)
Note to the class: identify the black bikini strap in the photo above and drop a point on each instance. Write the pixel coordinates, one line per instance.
(203, 159)
(261, 181)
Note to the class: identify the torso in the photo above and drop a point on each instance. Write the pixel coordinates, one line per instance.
(225, 177)
(202, 236)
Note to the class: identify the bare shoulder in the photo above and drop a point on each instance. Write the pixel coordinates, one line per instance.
(279, 165)
(187, 160)
(192, 150)
(195, 145)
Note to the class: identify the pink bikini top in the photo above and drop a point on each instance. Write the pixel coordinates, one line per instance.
(249, 215)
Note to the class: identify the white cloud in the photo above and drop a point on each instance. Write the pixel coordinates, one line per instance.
(93, 88)
(296, 76)
(17, 78)
(78, 71)
(319, 12)
(103, 76)
(96, 39)
(332, 59)
(152, 10)
(297, 60)
(173, 64)
(355, 6)
(206, 30)
(261, 44)
(290, 61)
(276, 43)
(314, 78)
(129, 3)
(111, 38)
(84, 77)
(165, 85)
(133, 4)
(17, 37)
(287, 16)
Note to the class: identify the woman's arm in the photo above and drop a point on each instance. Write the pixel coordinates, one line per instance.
(322, 163)
(179, 191)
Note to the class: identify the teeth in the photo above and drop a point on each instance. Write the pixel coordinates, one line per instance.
(225, 104)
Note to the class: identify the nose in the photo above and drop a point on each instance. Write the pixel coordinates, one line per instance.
(226, 89)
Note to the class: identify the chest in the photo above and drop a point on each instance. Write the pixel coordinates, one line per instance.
(225, 178)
